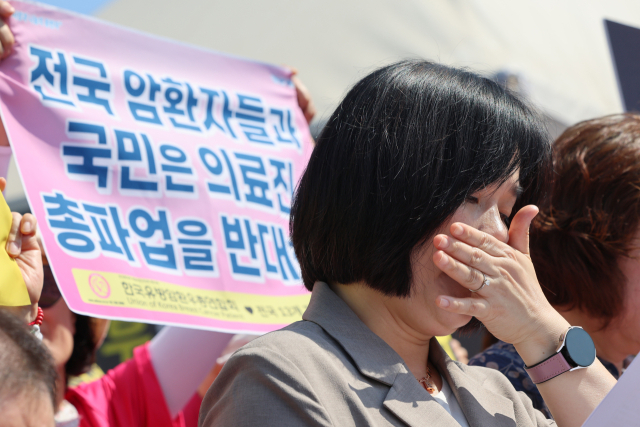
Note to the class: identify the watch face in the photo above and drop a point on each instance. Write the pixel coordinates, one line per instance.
(579, 347)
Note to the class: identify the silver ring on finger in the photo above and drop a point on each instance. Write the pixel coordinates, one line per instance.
(485, 282)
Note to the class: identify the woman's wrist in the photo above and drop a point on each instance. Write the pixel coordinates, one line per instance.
(544, 343)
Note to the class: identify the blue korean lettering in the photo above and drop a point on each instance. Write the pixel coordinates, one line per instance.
(112, 237)
(213, 163)
(92, 85)
(37, 20)
(157, 251)
(81, 128)
(251, 238)
(236, 246)
(42, 72)
(122, 233)
(193, 228)
(87, 167)
(135, 87)
(75, 242)
(160, 256)
(99, 217)
(197, 247)
(175, 164)
(95, 159)
(223, 123)
(197, 259)
(69, 224)
(281, 186)
(130, 155)
(63, 207)
(263, 232)
(64, 214)
(254, 176)
(284, 129)
(174, 96)
(152, 226)
(251, 119)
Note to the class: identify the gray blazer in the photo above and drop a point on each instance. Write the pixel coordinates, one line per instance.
(331, 370)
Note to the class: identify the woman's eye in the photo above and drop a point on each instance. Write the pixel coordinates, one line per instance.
(473, 200)
(506, 219)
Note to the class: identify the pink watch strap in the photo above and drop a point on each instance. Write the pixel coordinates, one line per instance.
(552, 367)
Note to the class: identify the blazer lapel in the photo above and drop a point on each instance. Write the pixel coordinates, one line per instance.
(481, 407)
(374, 358)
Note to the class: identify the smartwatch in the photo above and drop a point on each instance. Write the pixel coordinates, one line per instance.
(576, 351)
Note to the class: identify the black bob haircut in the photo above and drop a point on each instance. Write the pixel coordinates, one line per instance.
(403, 150)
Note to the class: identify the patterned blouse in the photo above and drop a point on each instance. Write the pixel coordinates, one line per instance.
(504, 358)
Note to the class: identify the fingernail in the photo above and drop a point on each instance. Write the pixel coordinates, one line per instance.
(26, 228)
(13, 249)
(444, 242)
(444, 259)
(456, 230)
(444, 302)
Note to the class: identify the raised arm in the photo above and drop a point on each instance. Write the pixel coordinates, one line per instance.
(514, 309)
(305, 102)
(182, 358)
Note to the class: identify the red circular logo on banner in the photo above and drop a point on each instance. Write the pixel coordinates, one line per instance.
(99, 285)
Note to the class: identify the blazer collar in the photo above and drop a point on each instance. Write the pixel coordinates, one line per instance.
(406, 398)
(373, 357)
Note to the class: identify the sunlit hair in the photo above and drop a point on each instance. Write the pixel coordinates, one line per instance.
(403, 150)
(591, 217)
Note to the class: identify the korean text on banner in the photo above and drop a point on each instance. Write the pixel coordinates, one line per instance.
(161, 174)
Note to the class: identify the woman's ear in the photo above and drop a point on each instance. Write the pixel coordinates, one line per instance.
(100, 330)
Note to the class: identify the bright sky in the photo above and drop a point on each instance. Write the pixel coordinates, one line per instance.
(88, 7)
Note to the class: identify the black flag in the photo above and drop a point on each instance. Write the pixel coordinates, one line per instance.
(624, 42)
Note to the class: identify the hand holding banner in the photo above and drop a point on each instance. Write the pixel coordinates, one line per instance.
(13, 291)
(162, 174)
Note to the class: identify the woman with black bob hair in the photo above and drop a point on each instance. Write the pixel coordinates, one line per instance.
(401, 227)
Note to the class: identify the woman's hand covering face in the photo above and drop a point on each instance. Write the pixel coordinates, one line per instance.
(512, 306)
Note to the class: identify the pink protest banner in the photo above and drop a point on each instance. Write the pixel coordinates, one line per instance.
(161, 174)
